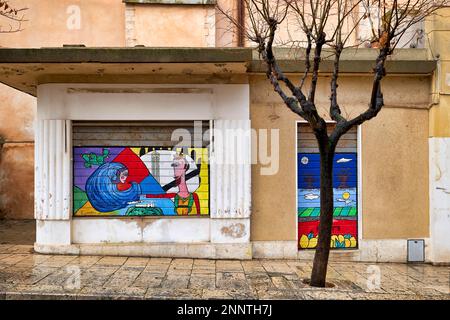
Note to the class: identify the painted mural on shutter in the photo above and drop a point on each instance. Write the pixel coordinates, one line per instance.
(345, 181)
(137, 179)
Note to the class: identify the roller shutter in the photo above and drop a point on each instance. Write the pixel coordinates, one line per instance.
(157, 168)
(345, 182)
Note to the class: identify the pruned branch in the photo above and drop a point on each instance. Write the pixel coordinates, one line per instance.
(307, 59)
(332, 24)
(397, 19)
(13, 16)
(375, 104)
(335, 111)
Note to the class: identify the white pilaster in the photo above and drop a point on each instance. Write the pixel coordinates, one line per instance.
(230, 182)
(230, 169)
(53, 170)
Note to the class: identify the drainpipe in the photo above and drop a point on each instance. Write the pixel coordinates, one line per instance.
(437, 79)
(240, 23)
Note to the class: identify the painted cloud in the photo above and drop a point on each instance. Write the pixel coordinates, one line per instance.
(311, 196)
(343, 160)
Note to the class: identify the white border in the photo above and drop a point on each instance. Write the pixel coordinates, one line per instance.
(296, 180)
(359, 177)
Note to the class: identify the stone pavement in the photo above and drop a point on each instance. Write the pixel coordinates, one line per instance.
(27, 275)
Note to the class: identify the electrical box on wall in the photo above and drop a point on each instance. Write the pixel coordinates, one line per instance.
(416, 250)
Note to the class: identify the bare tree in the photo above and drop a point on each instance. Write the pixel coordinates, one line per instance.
(13, 16)
(324, 27)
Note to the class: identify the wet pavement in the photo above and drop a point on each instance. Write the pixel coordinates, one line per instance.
(27, 275)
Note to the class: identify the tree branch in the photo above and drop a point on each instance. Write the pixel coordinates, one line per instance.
(12, 14)
(317, 58)
(335, 111)
(376, 100)
(307, 59)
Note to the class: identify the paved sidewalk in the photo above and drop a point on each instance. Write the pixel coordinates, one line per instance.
(27, 275)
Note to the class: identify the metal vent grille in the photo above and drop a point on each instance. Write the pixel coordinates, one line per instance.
(416, 250)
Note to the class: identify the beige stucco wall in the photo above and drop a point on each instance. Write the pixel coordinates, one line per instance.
(17, 112)
(274, 196)
(394, 155)
(226, 35)
(50, 24)
(171, 25)
(395, 175)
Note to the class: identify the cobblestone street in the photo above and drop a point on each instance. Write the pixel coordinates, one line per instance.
(25, 275)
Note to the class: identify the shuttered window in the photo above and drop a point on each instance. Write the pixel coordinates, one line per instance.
(158, 168)
(345, 181)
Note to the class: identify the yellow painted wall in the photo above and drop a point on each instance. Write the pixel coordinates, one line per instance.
(395, 175)
(438, 29)
(274, 204)
(394, 155)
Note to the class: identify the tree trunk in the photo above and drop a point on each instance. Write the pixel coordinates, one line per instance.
(319, 271)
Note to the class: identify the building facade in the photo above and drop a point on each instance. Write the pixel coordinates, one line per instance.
(109, 178)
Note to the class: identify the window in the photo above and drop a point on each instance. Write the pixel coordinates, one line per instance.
(414, 37)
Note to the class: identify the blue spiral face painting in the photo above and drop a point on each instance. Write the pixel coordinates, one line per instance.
(102, 188)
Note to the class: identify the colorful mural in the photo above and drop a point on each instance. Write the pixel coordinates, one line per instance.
(150, 181)
(345, 222)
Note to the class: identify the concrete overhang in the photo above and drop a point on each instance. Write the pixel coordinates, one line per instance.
(361, 60)
(25, 69)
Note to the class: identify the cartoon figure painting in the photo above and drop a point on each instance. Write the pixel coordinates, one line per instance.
(185, 202)
(184, 199)
(159, 182)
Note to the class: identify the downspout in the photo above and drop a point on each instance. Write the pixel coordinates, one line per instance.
(240, 23)
(437, 82)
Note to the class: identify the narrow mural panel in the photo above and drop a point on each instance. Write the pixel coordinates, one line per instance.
(345, 221)
(140, 181)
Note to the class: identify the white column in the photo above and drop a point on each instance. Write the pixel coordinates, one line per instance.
(52, 170)
(440, 199)
(231, 181)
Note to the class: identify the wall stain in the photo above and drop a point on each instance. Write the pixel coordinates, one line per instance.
(16, 182)
(236, 230)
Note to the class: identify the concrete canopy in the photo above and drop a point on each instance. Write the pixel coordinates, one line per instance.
(24, 69)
